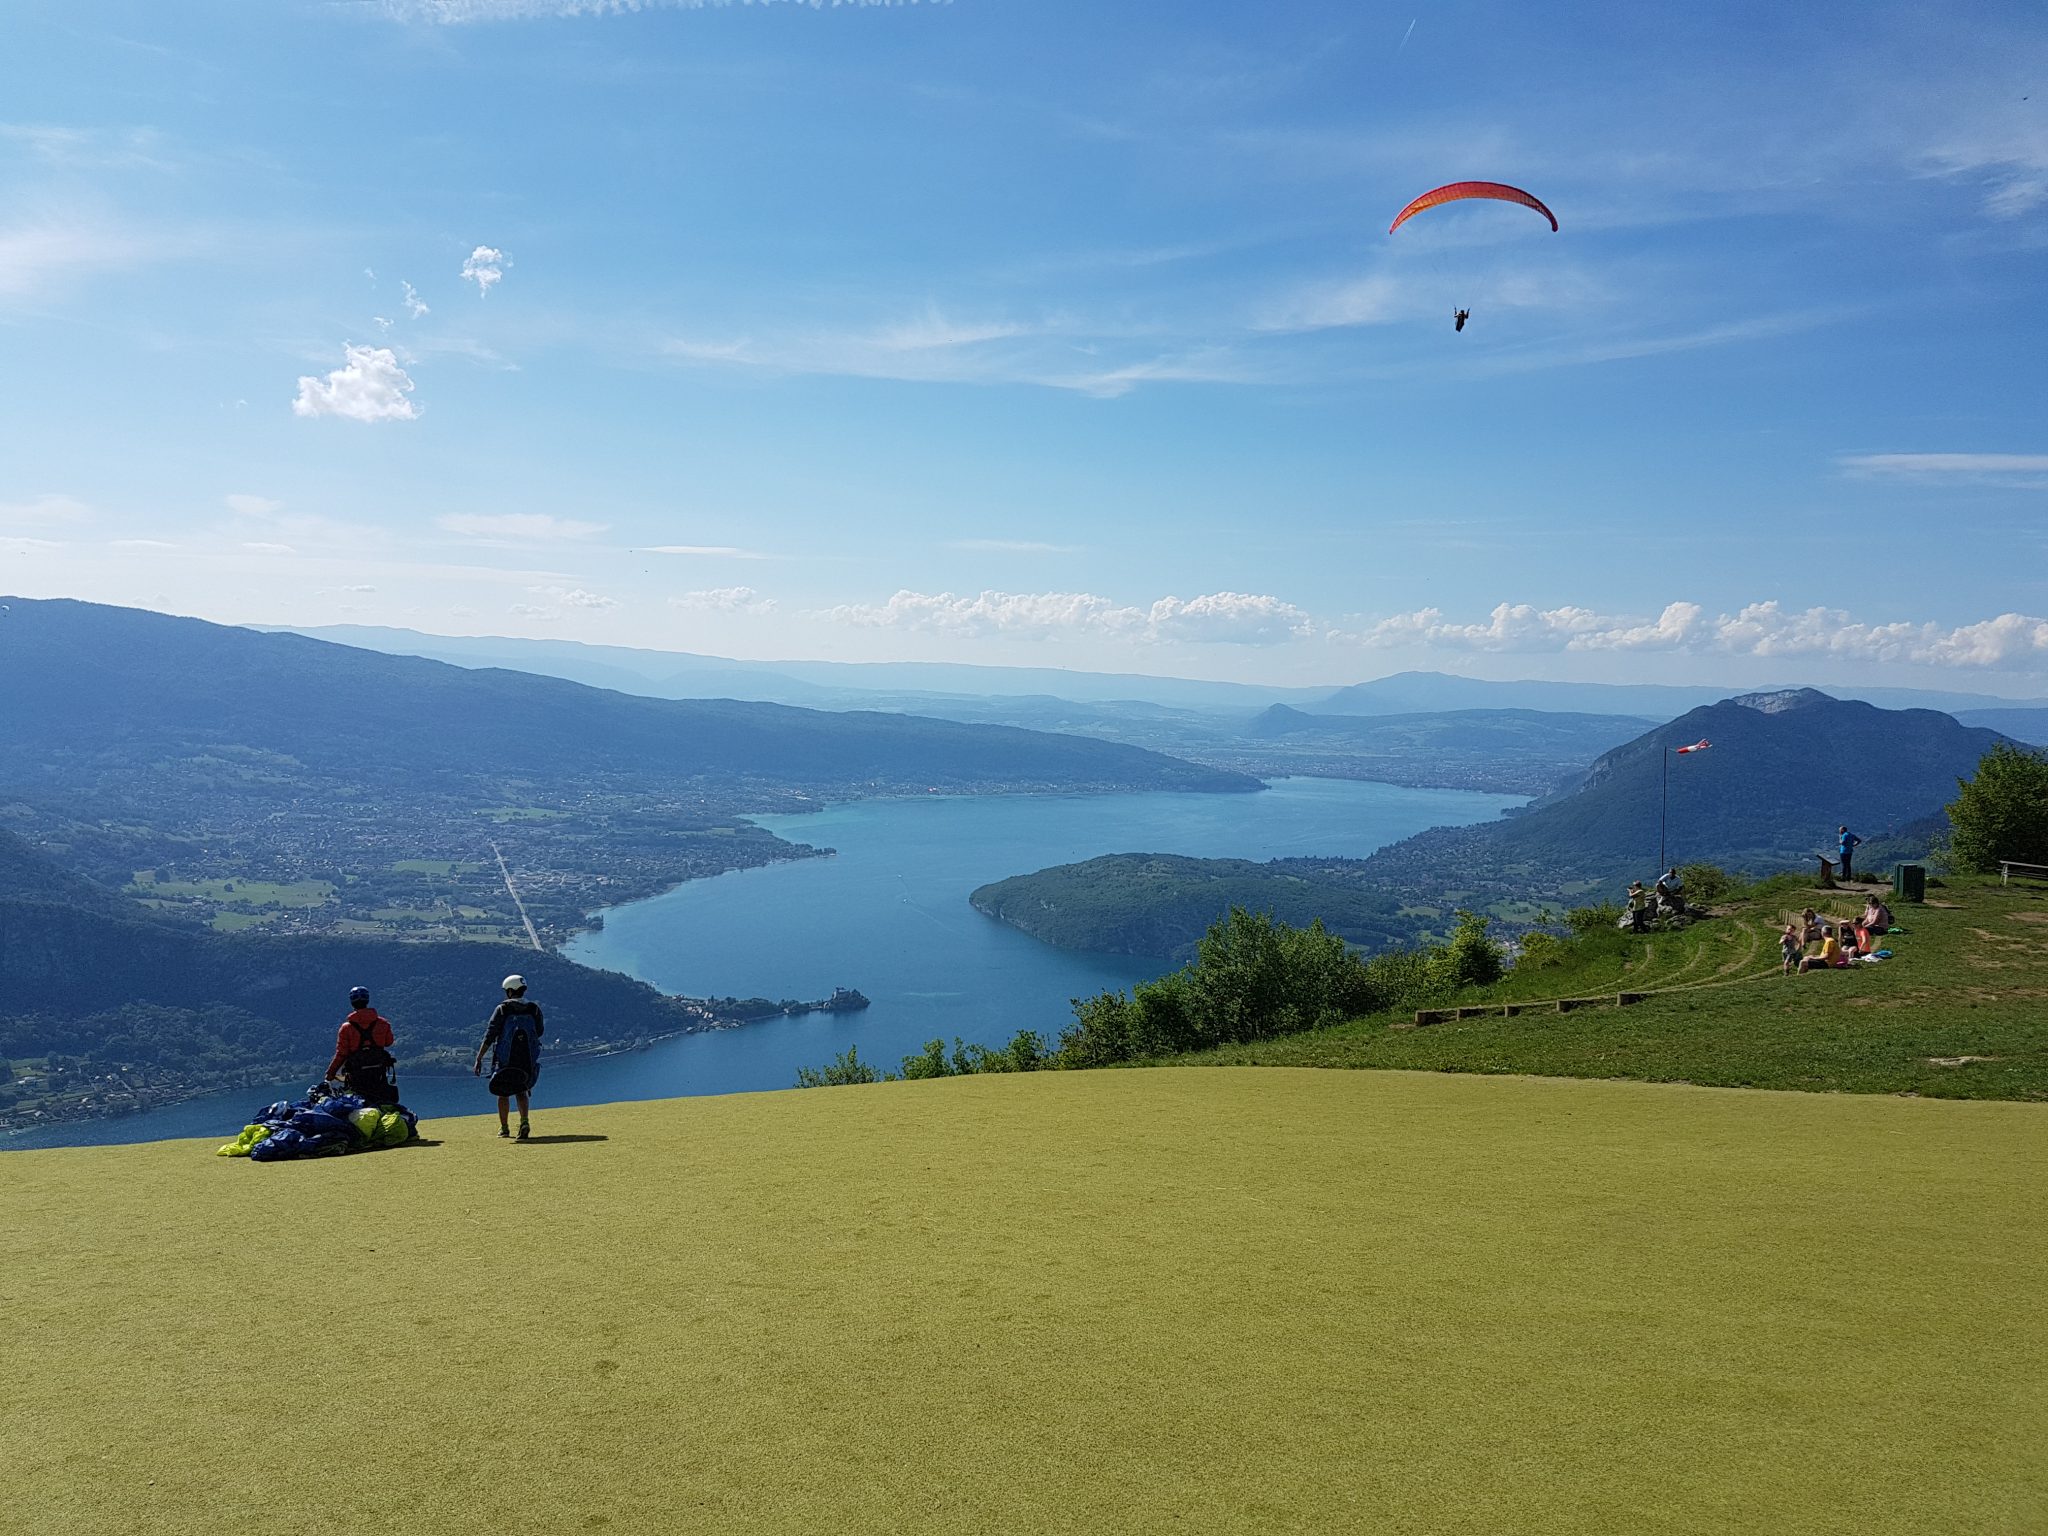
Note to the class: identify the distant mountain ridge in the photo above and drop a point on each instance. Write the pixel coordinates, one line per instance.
(79, 677)
(1784, 768)
(683, 674)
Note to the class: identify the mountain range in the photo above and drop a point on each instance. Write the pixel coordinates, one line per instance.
(80, 680)
(682, 674)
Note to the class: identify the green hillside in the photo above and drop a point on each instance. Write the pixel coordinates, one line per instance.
(1161, 903)
(1957, 1013)
(1066, 1303)
(103, 1013)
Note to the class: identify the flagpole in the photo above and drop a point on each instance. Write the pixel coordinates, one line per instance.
(1664, 809)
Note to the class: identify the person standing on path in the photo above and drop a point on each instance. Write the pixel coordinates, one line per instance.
(1849, 841)
(513, 1039)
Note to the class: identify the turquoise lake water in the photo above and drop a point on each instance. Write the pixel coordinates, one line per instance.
(887, 914)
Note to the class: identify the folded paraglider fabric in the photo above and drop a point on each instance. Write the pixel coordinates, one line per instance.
(242, 1144)
(321, 1124)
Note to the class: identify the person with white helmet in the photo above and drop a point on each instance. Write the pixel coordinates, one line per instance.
(513, 1039)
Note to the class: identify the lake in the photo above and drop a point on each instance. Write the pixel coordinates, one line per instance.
(887, 915)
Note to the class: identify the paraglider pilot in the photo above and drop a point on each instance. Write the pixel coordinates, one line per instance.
(1460, 317)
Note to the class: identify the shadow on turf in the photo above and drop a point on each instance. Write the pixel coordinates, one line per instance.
(535, 1141)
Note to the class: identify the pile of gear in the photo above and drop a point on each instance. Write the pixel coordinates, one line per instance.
(322, 1124)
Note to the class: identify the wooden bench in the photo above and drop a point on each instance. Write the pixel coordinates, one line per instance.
(2007, 868)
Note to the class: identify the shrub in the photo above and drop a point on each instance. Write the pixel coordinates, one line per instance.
(1593, 919)
(1252, 978)
(841, 1071)
(1706, 882)
(1470, 959)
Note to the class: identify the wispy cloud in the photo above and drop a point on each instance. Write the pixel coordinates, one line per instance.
(2028, 469)
(369, 386)
(705, 551)
(1011, 547)
(518, 527)
(43, 511)
(456, 12)
(415, 306)
(91, 148)
(245, 505)
(44, 255)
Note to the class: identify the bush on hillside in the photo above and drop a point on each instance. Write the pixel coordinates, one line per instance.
(1252, 979)
(1594, 919)
(840, 1072)
(2002, 813)
(1471, 959)
(1025, 1053)
(1706, 882)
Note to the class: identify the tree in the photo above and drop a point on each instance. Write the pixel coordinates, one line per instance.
(1471, 959)
(2002, 813)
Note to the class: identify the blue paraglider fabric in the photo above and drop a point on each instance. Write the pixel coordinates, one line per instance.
(317, 1125)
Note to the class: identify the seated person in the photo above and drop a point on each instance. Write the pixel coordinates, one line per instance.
(1877, 917)
(1670, 891)
(1791, 945)
(1810, 926)
(1829, 958)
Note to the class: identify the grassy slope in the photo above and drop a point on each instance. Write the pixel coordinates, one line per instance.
(1970, 979)
(1063, 1302)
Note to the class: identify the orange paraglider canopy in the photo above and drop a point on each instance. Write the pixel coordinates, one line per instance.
(1457, 191)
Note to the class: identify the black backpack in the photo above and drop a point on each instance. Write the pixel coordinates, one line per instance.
(369, 1070)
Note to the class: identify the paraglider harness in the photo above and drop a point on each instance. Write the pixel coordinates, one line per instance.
(521, 1052)
(370, 1071)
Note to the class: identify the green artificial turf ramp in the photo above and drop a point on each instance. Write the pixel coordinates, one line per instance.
(1200, 1300)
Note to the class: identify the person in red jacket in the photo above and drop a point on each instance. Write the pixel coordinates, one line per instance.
(363, 1028)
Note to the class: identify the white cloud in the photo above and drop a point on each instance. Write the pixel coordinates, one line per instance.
(260, 547)
(524, 527)
(415, 306)
(485, 267)
(369, 386)
(1765, 629)
(1031, 614)
(1233, 618)
(139, 544)
(708, 551)
(359, 589)
(1229, 618)
(252, 506)
(42, 511)
(575, 597)
(724, 600)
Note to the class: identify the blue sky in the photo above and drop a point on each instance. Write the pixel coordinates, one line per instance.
(1048, 332)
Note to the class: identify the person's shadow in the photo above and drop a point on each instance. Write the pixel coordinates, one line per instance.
(532, 1141)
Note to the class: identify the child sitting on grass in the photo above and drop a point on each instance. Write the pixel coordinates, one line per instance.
(1792, 945)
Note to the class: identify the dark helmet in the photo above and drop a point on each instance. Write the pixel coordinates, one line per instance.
(359, 997)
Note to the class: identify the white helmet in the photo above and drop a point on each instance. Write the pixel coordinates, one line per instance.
(515, 983)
